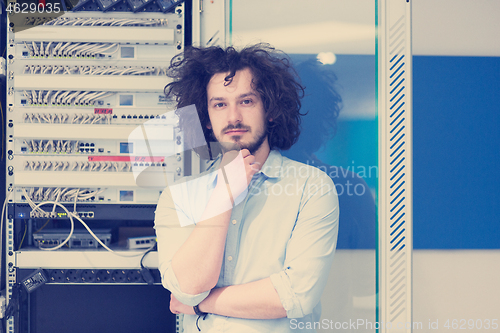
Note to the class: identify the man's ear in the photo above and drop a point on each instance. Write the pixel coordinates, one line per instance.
(209, 126)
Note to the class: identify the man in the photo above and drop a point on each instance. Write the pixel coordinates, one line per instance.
(259, 229)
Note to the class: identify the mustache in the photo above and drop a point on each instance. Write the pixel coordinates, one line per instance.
(237, 126)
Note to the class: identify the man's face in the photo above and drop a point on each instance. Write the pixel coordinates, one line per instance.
(236, 112)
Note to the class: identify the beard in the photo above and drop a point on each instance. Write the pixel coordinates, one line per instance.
(252, 146)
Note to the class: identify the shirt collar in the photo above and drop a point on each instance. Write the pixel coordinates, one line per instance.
(271, 168)
(272, 165)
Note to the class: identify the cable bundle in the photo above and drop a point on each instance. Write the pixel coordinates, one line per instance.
(59, 194)
(89, 21)
(93, 70)
(70, 49)
(65, 97)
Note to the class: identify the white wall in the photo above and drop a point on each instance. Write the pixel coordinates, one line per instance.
(456, 27)
(456, 284)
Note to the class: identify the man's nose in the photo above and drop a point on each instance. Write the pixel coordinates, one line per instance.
(234, 114)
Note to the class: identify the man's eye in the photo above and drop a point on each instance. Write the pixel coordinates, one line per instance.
(218, 105)
(246, 101)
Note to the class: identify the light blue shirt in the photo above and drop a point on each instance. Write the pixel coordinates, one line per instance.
(285, 228)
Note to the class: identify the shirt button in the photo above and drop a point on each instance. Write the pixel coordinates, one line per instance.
(234, 221)
(229, 258)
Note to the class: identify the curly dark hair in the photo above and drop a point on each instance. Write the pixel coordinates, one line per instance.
(273, 78)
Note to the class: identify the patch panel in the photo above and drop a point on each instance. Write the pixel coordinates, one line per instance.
(49, 165)
(147, 55)
(61, 118)
(141, 103)
(103, 21)
(64, 97)
(60, 194)
(102, 196)
(35, 140)
(69, 49)
(103, 166)
(49, 146)
(95, 117)
(50, 69)
(91, 40)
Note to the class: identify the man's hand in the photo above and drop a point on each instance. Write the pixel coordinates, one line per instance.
(236, 171)
(177, 307)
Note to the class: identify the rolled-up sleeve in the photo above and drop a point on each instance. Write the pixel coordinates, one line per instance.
(170, 237)
(310, 250)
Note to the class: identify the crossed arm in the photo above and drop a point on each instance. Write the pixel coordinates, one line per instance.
(197, 266)
(254, 300)
(198, 261)
(193, 271)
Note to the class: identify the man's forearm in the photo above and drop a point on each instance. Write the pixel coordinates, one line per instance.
(198, 262)
(254, 300)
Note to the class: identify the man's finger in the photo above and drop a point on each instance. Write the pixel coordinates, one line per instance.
(245, 152)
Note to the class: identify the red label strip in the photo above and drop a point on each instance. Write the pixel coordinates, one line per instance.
(126, 159)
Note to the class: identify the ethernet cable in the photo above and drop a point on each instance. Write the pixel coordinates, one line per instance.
(96, 119)
(62, 96)
(107, 47)
(30, 50)
(44, 117)
(106, 166)
(69, 215)
(46, 98)
(70, 97)
(54, 96)
(75, 45)
(31, 203)
(90, 96)
(94, 166)
(48, 194)
(81, 47)
(84, 48)
(35, 48)
(56, 48)
(61, 51)
(47, 48)
(27, 96)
